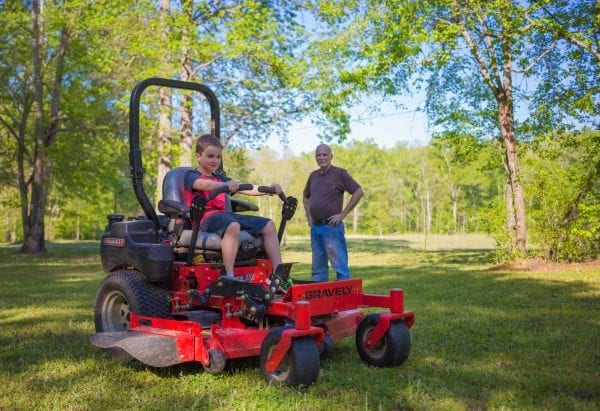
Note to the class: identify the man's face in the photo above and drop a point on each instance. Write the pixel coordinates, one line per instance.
(323, 157)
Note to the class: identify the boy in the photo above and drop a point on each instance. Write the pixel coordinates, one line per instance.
(217, 219)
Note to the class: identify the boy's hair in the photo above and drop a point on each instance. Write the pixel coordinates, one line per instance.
(207, 140)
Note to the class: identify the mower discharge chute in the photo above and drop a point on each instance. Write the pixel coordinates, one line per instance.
(164, 300)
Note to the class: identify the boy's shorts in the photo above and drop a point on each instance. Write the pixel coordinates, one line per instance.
(218, 223)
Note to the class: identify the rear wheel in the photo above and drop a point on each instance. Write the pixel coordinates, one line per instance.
(122, 292)
(393, 348)
(299, 367)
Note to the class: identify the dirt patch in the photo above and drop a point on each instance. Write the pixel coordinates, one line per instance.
(537, 264)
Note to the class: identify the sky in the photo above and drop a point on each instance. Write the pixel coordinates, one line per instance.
(392, 125)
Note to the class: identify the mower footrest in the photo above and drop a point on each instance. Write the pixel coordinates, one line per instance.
(153, 350)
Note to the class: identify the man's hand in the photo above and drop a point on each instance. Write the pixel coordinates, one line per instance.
(336, 219)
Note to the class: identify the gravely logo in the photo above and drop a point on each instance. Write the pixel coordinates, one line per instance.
(114, 242)
(328, 292)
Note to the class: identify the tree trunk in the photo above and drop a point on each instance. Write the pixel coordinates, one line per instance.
(497, 74)
(165, 160)
(454, 199)
(186, 142)
(511, 223)
(185, 160)
(78, 229)
(355, 219)
(33, 218)
(515, 196)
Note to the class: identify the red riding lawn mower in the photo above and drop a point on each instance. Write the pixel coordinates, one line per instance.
(165, 301)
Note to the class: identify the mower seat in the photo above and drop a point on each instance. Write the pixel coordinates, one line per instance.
(207, 244)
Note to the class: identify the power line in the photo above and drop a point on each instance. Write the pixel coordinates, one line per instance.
(362, 119)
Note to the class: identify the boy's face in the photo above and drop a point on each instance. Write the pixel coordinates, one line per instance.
(209, 160)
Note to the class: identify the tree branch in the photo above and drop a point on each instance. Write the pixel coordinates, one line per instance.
(559, 29)
(537, 59)
(480, 60)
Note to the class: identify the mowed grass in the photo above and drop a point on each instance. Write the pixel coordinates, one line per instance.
(483, 338)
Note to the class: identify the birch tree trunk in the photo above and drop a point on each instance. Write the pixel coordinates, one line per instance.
(165, 160)
(355, 219)
(515, 196)
(497, 73)
(186, 137)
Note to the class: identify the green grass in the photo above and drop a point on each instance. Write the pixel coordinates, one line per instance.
(483, 339)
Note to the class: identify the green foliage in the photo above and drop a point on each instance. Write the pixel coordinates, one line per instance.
(393, 183)
(491, 68)
(271, 63)
(564, 188)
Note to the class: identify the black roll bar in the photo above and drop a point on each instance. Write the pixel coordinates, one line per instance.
(136, 166)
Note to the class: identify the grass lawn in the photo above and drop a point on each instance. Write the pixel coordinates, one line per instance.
(483, 338)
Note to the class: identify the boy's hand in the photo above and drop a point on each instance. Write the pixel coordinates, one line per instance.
(233, 185)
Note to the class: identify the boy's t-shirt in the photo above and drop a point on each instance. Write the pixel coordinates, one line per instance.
(217, 204)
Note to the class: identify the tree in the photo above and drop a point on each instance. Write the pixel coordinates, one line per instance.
(47, 121)
(247, 52)
(475, 59)
(53, 85)
(86, 57)
(454, 156)
(563, 175)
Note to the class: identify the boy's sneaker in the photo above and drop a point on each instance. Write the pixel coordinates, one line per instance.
(287, 284)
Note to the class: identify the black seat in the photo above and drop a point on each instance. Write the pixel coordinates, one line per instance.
(207, 244)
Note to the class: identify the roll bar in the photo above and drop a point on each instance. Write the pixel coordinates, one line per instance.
(136, 166)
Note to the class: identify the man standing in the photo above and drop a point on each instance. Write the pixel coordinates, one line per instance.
(323, 200)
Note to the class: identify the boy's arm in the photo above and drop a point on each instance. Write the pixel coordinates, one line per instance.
(208, 185)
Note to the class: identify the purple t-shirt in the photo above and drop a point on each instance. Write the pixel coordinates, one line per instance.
(326, 191)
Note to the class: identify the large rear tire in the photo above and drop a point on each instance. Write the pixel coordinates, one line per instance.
(393, 348)
(300, 366)
(123, 292)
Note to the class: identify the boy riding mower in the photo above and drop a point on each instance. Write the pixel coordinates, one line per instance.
(165, 300)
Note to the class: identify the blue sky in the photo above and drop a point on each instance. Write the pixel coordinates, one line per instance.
(393, 124)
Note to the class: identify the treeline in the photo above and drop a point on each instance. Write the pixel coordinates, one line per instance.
(454, 185)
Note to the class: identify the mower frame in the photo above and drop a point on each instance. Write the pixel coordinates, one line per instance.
(162, 306)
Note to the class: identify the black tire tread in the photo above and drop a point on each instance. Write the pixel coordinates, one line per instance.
(397, 343)
(303, 360)
(144, 298)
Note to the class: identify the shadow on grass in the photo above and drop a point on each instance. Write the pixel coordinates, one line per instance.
(481, 339)
(375, 246)
(477, 332)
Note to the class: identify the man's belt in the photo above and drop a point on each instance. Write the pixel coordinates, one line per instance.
(321, 221)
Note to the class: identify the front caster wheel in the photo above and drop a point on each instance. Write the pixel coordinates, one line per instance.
(216, 361)
(391, 350)
(326, 347)
(299, 367)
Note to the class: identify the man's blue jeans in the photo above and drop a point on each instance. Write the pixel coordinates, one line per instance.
(328, 242)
